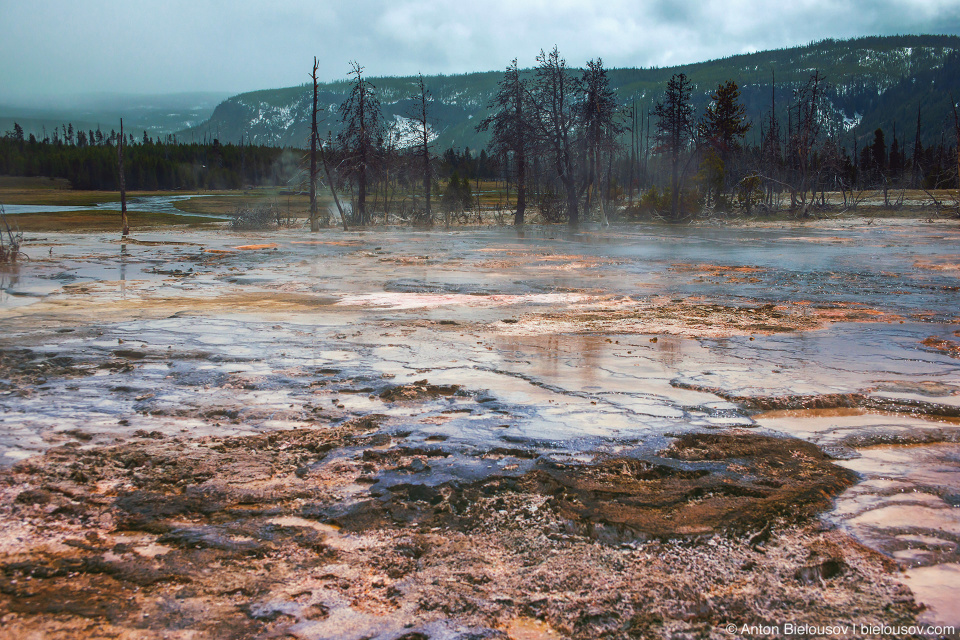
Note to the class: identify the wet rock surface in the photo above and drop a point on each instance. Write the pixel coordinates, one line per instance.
(279, 534)
(487, 434)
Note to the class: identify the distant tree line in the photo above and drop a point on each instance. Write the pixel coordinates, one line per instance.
(564, 147)
(88, 159)
(554, 134)
(561, 145)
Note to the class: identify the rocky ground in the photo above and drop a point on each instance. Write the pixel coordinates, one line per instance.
(285, 535)
(408, 437)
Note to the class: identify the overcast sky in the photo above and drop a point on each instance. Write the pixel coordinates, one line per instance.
(141, 46)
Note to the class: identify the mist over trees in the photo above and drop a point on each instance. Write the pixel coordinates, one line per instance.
(562, 144)
(563, 147)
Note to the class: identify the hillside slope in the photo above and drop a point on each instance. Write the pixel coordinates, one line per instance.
(874, 82)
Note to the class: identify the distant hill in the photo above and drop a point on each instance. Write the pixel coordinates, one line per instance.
(875, 82)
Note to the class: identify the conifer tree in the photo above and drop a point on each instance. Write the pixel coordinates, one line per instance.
(512, 128)
(675, 129)
(721, 128)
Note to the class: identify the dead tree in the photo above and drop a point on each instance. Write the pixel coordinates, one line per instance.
(314, 221)
(803, 141)
(362, 135)
(423, 144)
(771, 155)
(956, 133)
(598, 112)
(123, 186)
(555, 92)
(917, 154)
(9, 251)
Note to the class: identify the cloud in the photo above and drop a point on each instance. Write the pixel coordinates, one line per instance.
(64, 46)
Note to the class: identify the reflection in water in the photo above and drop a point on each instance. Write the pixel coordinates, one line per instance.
(123, 270)
(9, 282)
(555, 357)
(148, 204)
(909, 507)
(671, 350)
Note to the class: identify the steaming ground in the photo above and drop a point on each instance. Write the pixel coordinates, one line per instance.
(481, 433)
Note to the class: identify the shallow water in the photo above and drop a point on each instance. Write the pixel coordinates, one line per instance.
(146, 204)
(564, 345)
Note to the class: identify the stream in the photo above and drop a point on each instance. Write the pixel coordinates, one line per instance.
(146, 204)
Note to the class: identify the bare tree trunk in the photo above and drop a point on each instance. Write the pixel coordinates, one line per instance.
(362, 178)
(607, 197)
(554, 87)
(598, 175)
(123, 187)
(520, 155)
(916, 154)
(633, 154)
(591, 176)
(521, 189)
(644, 173)
(479, 211)
(956, 131)
(675, 186)
(314, 221)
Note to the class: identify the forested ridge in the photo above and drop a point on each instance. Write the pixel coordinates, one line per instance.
(878, 80)
(561, 138)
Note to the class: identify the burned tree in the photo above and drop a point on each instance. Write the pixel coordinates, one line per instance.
(956, 133)
(917, 160)
(675, 130)
(513, 128)
(771, 153)
(362, 136)
(314, 221)
(803, 141)
(422, 133)
(598, 114)
(123, 186)
(9, 250)
(555, 94)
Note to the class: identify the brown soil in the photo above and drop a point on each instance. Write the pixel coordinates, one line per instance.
(100, 220)
(691, 317)
(829, 401)
(943, 263)
(22, 369)
(288, 535)
(418, 390)
(731, 274)
(948, 347)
